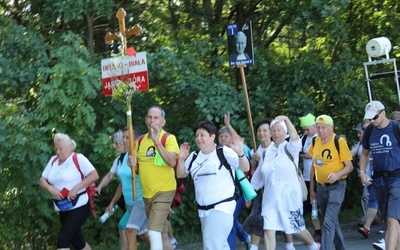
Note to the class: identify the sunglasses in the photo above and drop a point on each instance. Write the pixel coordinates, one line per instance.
(376, 116)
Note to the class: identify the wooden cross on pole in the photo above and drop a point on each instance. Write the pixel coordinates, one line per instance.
(123, 33)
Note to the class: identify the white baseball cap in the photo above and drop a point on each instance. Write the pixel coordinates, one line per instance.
(372, 109)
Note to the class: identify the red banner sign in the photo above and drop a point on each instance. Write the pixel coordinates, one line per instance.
(132, 69)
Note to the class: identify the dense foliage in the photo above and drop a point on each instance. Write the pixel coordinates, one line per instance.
(308, 58)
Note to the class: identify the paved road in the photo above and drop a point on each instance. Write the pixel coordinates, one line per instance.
(354, 240)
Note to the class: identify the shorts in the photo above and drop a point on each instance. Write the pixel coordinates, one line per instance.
(393, 210)
(158, 208)
(137, 217)
(124, 220)
(372, 202)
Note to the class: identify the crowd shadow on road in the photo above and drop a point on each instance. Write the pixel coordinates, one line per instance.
(354, 240)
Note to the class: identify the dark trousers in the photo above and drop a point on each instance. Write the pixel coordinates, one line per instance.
(71, 231)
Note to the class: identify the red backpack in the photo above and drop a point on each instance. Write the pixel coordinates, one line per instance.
(91, 190)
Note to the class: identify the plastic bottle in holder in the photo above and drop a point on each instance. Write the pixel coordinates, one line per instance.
(106, 215)
(314, 210)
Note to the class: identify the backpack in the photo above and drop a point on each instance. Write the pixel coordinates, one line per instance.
(303, 141)
(396, 130)
(336, 143)
(121, 158)
(179, 181)
(222, 159)
(90, 190)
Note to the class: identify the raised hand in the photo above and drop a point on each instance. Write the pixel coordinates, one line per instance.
(184, 150)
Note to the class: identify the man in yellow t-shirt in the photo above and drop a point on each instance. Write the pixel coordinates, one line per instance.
(330, 169)
(156, 164)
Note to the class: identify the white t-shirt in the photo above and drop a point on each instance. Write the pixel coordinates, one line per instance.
(115, 166)
(68, 176)
(212, 181)
(260, 151)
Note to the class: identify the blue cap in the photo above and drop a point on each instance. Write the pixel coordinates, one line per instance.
(358, 127)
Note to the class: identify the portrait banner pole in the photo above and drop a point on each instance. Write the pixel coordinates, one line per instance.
(246, 96)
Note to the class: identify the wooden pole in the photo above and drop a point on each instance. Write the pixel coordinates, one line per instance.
(123, 32)
(246, 96)
(121, 14)
(131, 148)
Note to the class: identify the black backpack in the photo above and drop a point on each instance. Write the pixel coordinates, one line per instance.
(336, 143)
(396, 130)
(224, 162)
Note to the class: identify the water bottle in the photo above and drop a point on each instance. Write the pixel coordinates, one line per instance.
(314, 210)
(106, 215)
(368, 180)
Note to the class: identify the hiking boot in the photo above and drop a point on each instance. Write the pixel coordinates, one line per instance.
(379, 245)
(365, 232)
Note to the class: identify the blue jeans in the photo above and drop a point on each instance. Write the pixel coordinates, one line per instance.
(237, 227)
(330, 200)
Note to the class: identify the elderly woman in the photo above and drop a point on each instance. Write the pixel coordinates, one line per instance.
(118, 144)
(282, 204)
(62, 179)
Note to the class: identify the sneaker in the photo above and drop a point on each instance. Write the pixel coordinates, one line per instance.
(175, 245)
(383, 228)
(319, 245)
(365, 232)
(380, 245)
(247, 245)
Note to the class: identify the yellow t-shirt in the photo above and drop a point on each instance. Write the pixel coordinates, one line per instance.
(327, 159)
(155, 178)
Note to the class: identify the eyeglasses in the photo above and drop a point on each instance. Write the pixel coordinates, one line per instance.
(377, 115)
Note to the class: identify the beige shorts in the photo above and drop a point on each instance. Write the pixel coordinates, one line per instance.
(158, 209)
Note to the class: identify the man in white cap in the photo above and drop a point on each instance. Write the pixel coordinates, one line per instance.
(383, 144)
(331, 165)
(307, 124)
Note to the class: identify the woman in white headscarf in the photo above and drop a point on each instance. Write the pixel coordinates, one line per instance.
(282, 206)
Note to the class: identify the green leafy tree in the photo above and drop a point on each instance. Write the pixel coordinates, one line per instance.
(308, 58)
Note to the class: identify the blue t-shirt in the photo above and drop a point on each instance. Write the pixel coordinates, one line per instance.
(247, 152)
(384, 148)
(125, 176)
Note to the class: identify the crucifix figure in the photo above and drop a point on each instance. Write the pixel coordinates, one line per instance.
(123, 33)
